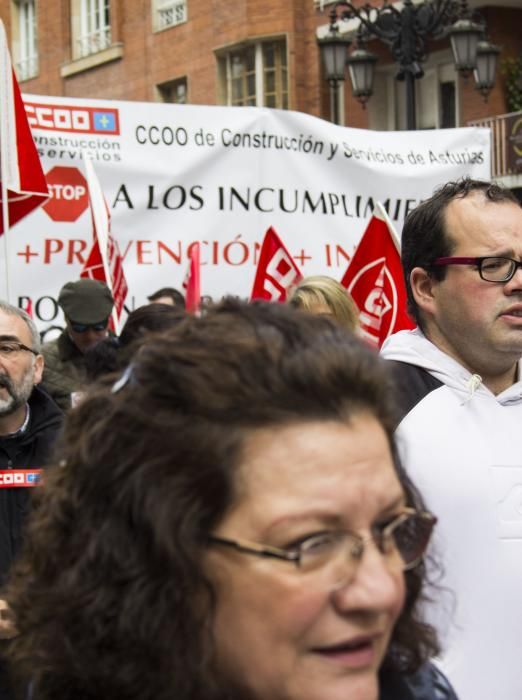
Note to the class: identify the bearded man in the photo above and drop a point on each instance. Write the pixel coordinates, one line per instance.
(29, 424)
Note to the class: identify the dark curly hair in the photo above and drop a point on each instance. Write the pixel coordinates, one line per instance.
(109, 596)
(111, 353)
(424, 235)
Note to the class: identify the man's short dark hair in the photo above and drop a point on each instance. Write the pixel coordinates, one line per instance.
(177, 297)
(424, 236)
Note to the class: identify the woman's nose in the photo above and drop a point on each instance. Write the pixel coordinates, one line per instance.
(377, 583)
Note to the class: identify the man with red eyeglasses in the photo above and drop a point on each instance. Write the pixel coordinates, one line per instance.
(459, 386)
(87, 305)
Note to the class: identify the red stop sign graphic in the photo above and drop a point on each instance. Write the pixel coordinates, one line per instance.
(69, 195)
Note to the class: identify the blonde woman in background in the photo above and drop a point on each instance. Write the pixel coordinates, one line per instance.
(320, 294)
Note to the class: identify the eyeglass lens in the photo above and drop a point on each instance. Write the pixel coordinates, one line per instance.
(11, 349)
(498, 269)
(336, 560)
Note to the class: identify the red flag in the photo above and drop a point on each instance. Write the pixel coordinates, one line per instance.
(23, 181)
(191, 283)
(374, 279)
(29, 308)
(104, 262)
(276, 270)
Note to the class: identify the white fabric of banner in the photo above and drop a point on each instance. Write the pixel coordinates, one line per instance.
(176, 174)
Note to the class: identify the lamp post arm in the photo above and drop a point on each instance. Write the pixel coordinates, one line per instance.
(433, 19)
(403, 31)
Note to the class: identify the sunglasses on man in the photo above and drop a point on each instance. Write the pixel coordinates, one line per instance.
(84, 327)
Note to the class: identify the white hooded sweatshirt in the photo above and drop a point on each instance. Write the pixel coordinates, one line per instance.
(462, 447)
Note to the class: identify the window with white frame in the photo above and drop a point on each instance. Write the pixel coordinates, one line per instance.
(169, 13)
(436, 97)
(254, 75)
(25, 39)
(91, 27)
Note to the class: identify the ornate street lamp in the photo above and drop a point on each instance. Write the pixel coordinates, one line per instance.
(333, 48)
(484, 73)
(405, 31)
(361, 65)
(464, 38)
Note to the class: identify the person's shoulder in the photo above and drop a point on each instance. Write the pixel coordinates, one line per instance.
(50, 347)
(44, 408)
(56, 350)
(428, 683)
(60, 353)
(411, 385)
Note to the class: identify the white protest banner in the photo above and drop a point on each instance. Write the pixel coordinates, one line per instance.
(176, 174)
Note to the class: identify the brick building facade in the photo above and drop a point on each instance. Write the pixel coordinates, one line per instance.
(251, 52)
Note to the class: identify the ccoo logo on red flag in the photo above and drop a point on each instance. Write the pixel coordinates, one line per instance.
(375, 280)
(276, 271)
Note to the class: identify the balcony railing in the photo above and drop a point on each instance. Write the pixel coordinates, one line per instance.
(172, 13)
(94, 42)
(506, 143)
(27, 67)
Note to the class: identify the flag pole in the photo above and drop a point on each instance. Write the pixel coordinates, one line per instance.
(5, 221)
(20, 167)
(384, 215)
(101, 223)
(5, 66)
(115, 320)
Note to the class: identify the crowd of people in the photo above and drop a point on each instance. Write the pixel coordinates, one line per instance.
(252, 504)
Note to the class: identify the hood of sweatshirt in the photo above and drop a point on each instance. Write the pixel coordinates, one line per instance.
(414, 348)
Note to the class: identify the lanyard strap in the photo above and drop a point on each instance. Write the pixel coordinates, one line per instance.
(20, 478)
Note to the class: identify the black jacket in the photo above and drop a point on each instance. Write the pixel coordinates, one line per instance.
(27, 451)
(64, 370)
(428, 683)
(412, 384)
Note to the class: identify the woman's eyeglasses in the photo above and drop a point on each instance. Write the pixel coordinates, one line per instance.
(402, 541)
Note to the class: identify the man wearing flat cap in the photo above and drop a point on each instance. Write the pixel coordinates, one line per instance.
(87, 305)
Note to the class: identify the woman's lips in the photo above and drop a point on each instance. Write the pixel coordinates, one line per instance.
(355, 653)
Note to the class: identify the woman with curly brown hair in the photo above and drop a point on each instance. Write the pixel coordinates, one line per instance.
(230, 521)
